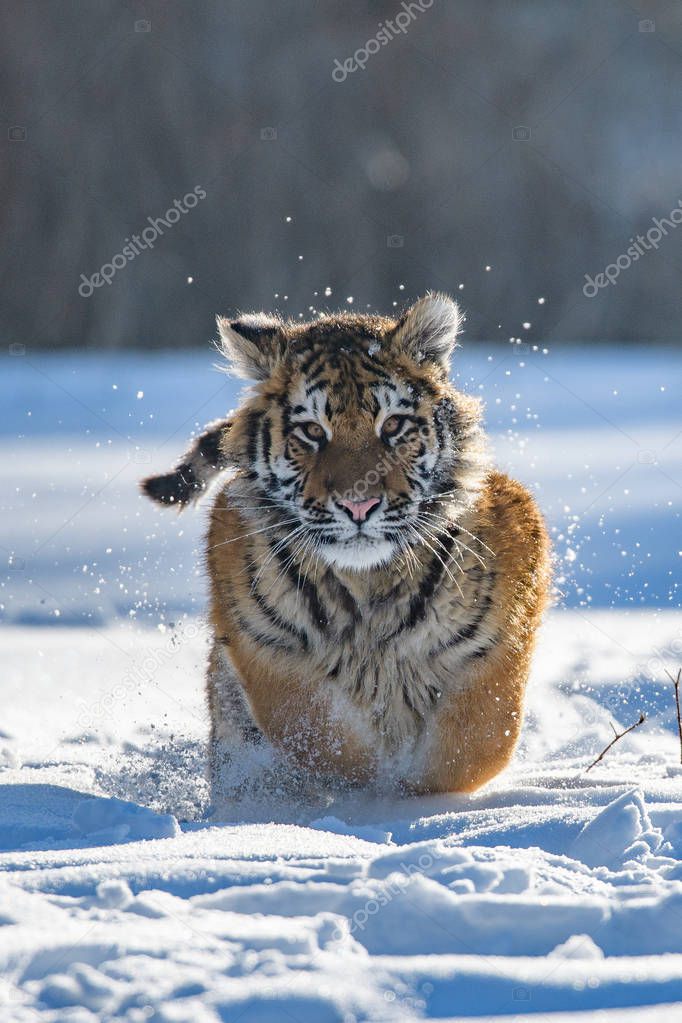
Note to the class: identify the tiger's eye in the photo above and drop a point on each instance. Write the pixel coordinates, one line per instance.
(313, 430)
(391, 425)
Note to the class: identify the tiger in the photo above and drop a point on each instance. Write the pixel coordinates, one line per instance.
(376, 585)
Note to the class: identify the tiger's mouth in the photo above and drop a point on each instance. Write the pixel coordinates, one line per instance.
(344, 540)
(359, 552)
(359, 545)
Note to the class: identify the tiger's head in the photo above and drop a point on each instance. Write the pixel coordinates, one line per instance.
(353, 431)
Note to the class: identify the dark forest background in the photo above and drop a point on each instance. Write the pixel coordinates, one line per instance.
(535, 137)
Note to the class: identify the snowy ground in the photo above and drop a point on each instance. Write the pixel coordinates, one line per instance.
(552, 891)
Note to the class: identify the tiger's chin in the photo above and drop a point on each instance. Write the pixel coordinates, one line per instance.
(360, 554)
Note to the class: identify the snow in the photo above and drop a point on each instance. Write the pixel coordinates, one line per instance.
(554, 894)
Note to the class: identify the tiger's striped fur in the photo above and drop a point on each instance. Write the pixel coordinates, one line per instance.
(375, 586)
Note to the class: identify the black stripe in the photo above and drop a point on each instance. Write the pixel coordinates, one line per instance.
(256, 635)
(304, 442)
(252, 432)
(310, 593)
(317, 610)
(343, 595)
(373, 368)
(276, 618)
(418, 603)
(286, 415)
(467, 631)
(262, 638)
(316, 374)
(440, 430)
(266, 440)
(483, 650)
(310, 360)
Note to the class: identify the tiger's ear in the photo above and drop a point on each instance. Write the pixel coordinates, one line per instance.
(428, 330)
(253, 344)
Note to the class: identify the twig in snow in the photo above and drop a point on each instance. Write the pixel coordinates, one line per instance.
(619, 735)
(676, 683)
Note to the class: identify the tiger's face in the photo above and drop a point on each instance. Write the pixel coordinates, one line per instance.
(355, 434)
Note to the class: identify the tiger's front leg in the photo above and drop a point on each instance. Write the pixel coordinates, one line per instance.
(235, 739)
(308, 721)
(274, 734)
(474, 732)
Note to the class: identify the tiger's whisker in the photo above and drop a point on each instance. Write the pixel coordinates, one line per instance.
(254, 532)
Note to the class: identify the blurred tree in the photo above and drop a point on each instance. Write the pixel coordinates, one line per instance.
(536, 138)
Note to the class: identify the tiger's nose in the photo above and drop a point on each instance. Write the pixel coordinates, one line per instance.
(359, 510)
